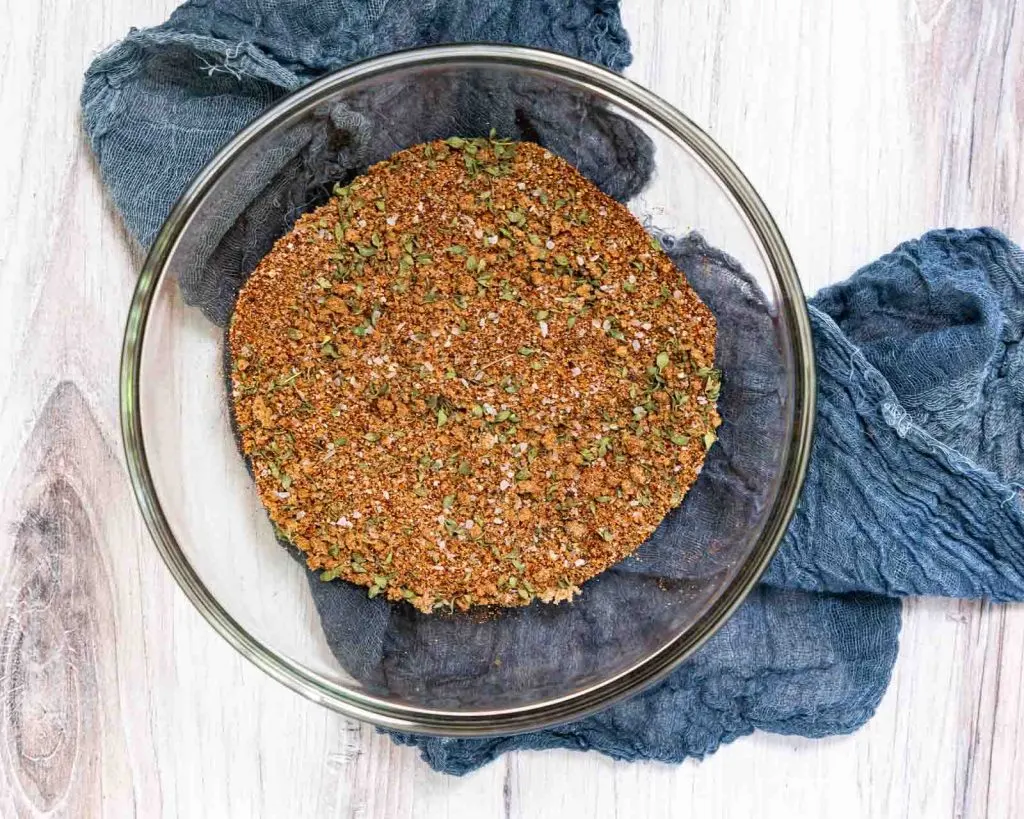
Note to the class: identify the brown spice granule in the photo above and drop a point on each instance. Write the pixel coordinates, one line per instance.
(471, 378)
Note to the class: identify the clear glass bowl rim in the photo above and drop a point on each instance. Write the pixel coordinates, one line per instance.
(379, 711)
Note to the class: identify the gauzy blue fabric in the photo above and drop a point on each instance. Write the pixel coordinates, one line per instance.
(158, 104)
(914, 487)
(915, 478)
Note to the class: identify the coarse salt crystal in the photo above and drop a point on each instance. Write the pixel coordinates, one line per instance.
(544, 329)
(580, 562)
(392, 221)
(550, 245)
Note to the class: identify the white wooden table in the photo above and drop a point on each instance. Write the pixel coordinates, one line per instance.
(861, 124)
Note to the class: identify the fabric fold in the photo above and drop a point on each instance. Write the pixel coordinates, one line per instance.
(916, 473)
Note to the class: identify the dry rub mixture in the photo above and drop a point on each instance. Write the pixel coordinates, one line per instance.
(471, 378)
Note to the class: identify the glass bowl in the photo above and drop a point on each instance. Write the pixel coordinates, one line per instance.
(513, 669)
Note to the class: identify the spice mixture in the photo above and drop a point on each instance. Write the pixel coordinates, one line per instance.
(471, 378)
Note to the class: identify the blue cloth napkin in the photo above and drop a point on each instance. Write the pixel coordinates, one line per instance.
(915, 484)
(915, 487)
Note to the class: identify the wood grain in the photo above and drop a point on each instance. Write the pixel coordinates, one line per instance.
(861, 124)
(58, 673)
